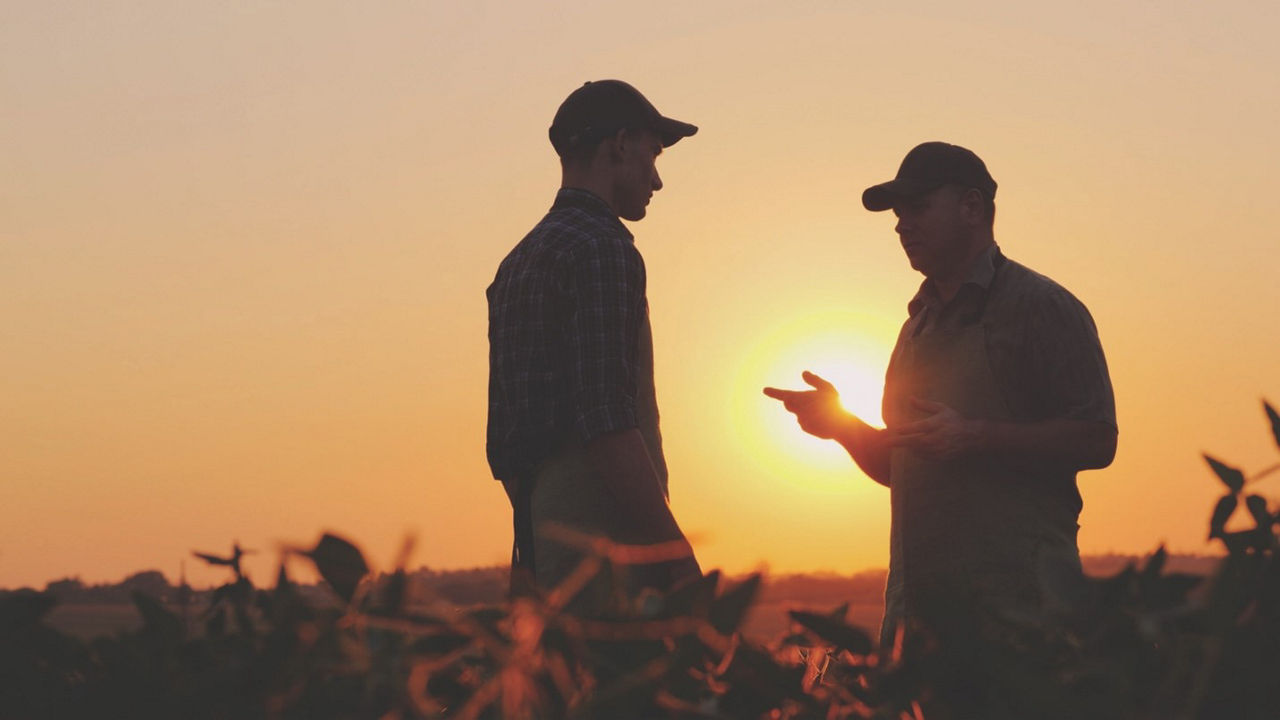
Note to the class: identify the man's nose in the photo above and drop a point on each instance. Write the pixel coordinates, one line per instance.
(657, 181)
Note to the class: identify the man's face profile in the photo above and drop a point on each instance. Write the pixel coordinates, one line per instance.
(931, 229)
(636, 177)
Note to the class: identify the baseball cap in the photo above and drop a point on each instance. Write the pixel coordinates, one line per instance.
(603, 107)
(928, 167)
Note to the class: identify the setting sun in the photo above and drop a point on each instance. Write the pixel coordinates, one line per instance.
(247, 300)
(847, 349)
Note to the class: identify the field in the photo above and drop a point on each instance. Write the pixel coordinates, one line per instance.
(766, 620)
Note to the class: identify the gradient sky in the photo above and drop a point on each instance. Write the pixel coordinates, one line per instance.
(244, 247)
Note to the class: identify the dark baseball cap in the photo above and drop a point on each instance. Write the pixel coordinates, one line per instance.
(601, 108)
(926, 168)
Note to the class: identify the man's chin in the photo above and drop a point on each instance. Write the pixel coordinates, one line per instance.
(633, 215)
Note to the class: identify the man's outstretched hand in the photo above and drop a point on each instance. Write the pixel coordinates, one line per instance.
(818, 410)
(819, 413)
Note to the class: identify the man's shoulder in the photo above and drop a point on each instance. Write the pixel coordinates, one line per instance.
(1026, 288)
(571, 230)
(567, 243)
(1031, 301)
(559, 236)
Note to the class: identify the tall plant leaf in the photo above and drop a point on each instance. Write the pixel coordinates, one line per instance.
(1231, 477)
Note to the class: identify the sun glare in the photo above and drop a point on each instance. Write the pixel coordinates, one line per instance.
(848, 350)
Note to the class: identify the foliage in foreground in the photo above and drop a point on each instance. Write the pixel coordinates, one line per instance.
(1146, 644)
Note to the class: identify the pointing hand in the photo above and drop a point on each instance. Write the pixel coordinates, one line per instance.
(818, 410)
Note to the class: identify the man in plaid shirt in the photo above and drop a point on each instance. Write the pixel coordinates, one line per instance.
(573, 420)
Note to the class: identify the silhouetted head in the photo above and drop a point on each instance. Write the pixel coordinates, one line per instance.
(608, 136)
(944, 199)
(928, 167)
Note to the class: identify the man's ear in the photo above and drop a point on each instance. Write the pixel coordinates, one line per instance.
(616, 145)
(974, 206)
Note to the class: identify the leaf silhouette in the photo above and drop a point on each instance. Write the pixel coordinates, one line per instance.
(1156, 564)
(1274, 417)
(834, 631)
(232, 561)
(212, 559)
(340, 564)
(728, 610)
(1258, 509)
(394, 592)
(1221, 513)
(1233, 478)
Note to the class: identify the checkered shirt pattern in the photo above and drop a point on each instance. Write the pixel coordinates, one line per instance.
(566, 310)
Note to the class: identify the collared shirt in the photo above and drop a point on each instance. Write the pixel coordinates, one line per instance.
(1041, 342)
(978, 282)
(566, 310)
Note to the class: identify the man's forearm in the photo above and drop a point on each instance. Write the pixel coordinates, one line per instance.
(1078, 444)
(869, 447)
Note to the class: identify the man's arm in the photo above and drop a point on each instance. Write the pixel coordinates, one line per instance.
(819, 413)
(621, 460)
(1066, 373)
(945, 434)
(607, 280)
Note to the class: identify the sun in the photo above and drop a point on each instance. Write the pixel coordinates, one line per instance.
(850, 351)
(860, 388)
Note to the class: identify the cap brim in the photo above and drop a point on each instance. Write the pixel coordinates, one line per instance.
(885, 195)
(672, 130)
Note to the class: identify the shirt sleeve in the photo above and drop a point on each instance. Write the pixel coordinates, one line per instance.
(1069, 368)
(607, 295)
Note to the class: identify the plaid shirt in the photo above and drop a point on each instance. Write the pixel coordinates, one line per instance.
(566, 310)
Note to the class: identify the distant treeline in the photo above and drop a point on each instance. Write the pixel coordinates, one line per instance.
(472, 586)
(485, 585)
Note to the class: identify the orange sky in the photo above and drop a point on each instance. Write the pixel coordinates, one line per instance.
(243, 253)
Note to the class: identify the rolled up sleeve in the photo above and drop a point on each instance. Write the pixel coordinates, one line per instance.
(1073, 377)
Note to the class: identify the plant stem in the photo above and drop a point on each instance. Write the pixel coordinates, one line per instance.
(1264, 473)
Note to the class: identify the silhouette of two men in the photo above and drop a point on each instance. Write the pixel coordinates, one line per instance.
(996, 395)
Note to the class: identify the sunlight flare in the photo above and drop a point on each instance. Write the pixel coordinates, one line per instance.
(847, 349)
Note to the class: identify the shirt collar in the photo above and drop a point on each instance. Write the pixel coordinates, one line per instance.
(590, 203)
(981, 273)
